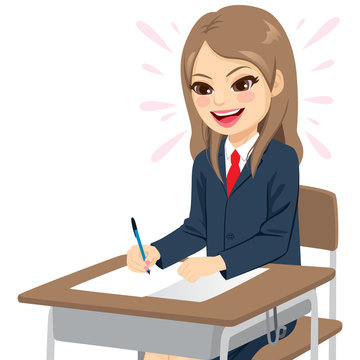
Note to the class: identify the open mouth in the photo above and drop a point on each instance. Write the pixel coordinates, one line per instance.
(227, 118)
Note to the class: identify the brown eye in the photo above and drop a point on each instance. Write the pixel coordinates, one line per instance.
(202, 88)
(244, 83)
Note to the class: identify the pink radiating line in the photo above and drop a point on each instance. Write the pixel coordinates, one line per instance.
(167, 116)
(314, 121)
(165, 148)
(152, 69)
(148, 31)
(154, 105)
(324, 65)
(324, 30)
(319, 147)
(320, 99)
(300, 23)
(175, 27)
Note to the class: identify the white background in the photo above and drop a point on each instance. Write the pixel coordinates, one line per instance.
(75, 148)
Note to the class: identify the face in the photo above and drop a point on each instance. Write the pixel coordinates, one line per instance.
(230, 95)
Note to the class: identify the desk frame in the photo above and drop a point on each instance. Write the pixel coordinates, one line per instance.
(226, 334)
(279, 285)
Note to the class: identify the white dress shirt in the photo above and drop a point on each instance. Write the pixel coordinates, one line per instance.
(242, 150)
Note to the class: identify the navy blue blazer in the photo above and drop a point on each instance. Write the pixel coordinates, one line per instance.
(257, 224)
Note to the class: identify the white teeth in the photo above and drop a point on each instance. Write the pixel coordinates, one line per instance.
(227, 114)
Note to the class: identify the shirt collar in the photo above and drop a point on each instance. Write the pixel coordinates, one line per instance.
(242, 149)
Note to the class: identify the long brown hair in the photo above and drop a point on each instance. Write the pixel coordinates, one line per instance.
(252, 34)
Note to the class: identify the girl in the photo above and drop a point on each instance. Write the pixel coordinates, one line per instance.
(239, 82)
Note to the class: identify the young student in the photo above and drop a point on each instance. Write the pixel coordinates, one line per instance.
(239, 82)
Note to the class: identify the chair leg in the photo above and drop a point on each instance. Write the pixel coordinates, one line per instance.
(332, 348)
(50, 352)
(314, 325)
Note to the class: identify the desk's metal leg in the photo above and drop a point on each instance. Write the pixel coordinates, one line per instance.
(227, 333)
(141, 355)
(50, 337)
(314, 325)
(224, 343)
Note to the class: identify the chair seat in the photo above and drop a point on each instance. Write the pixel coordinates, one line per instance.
(298, 342)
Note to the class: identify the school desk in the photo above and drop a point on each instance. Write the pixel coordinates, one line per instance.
(202, 330)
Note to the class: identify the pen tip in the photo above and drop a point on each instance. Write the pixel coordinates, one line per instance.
(133, 223)
(148, 271)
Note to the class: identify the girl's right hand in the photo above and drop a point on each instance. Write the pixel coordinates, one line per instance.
(135, 261)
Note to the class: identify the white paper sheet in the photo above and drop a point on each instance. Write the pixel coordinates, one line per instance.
(205, 287)
(126, 282)
(165, 283)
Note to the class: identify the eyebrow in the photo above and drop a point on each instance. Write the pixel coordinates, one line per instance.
(240, 67)
(232, 71)
(202, 75)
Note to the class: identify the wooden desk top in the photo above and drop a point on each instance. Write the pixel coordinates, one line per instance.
(271, 288)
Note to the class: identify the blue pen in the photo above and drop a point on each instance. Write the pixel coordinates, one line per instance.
(133, 223)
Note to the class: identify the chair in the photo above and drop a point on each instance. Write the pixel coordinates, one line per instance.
(318, 223)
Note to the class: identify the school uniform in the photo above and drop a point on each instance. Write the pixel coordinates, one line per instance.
(255, 225)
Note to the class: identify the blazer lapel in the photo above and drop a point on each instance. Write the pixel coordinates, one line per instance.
(221, 159)
(245, 172)
(244, 175)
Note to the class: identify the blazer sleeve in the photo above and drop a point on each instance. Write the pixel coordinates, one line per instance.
(272, 240)
(191, 236)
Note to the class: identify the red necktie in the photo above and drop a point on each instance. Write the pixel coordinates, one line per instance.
(234, 171)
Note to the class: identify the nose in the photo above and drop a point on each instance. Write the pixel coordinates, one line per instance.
(219, 98)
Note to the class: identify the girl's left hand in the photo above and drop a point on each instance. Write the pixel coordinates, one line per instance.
(193, 268)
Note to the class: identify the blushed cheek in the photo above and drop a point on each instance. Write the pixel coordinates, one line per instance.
(202, 101)
(245, 96)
